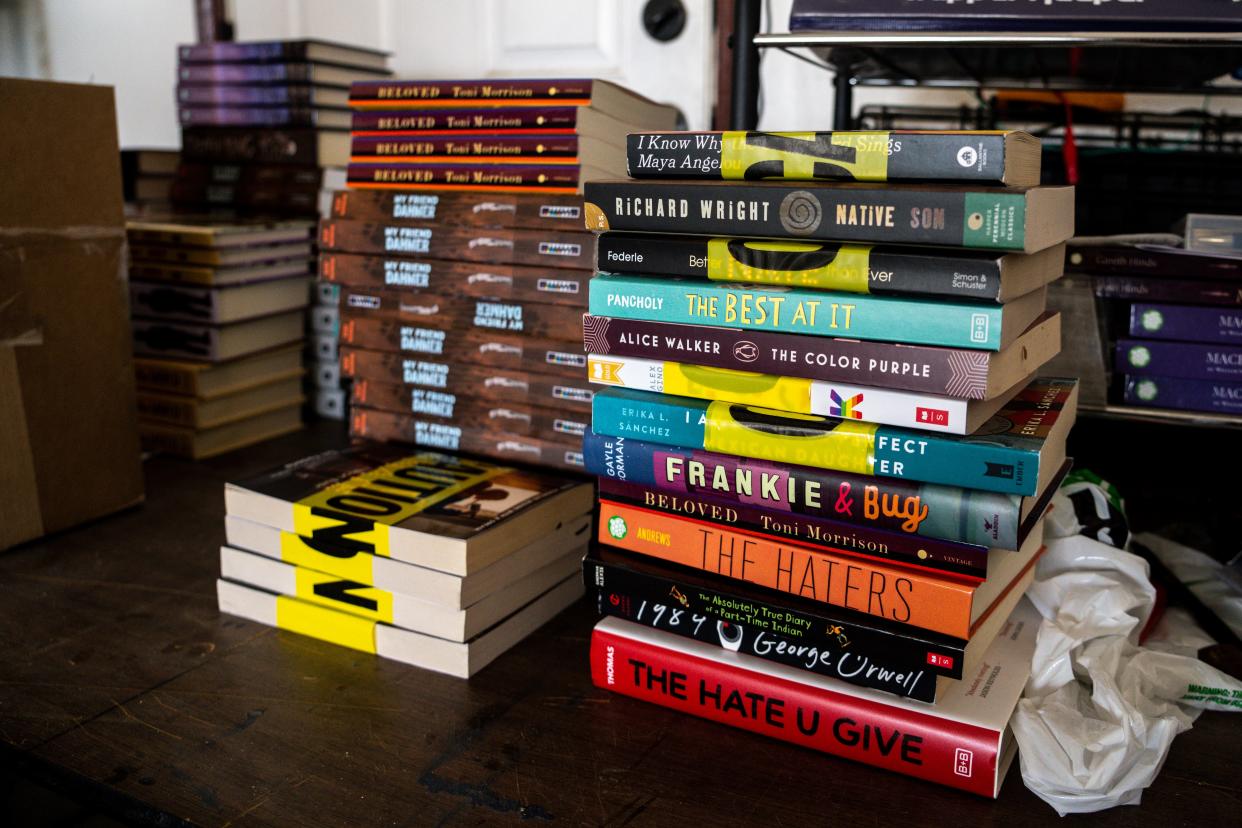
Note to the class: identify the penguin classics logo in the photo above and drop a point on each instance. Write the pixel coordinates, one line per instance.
(847, 408)
(617, 527)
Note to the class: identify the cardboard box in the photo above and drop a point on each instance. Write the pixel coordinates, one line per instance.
(69, 446)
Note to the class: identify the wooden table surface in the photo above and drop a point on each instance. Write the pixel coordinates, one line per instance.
(122, 684)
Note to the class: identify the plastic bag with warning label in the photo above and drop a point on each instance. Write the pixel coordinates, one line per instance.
(1099, 713)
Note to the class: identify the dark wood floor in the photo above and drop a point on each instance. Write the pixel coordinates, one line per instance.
(122, 687)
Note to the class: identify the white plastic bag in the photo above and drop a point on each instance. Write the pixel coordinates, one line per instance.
(1099, 712)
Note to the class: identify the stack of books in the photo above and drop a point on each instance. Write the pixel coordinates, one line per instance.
(218, 326)
(147, 179)
(1179, 346)
(545, 136)
(824, 458)
(459, 305)
(265, 124)
(433, 560)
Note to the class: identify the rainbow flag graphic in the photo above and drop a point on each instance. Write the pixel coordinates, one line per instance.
(845, 408)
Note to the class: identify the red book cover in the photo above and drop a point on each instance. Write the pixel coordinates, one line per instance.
(961, 741)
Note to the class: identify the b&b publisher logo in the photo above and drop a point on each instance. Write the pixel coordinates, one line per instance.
(963, 761)
(932, 416)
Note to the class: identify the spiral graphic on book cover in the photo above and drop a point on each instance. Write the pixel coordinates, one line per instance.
(968, 375)
(800, 213)
(595, 334)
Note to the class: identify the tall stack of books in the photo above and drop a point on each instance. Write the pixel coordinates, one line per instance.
(266, 123)
(1179, 329)
(218, 325)
(462, 261)
(824, 458)
(433, 560)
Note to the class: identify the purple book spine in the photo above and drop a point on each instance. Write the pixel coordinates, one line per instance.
(1187, 395)
(1186, 322)
(1168, 290)
(1186, 360)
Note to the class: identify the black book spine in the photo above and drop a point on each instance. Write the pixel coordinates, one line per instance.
(823, 265)
(843, 156)
(775, 630)
(990, 217)
(1140, 261)
(1185, 291)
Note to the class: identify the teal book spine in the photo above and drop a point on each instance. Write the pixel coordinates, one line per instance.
(800, 311)
(996, 463)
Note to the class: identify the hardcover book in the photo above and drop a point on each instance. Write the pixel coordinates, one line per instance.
(785, 493)
(852, 268)
(962, 741)
(560, 454)
(418, 649)
(458, 346)
(603, 96)
(448, 513)
(1190, 395)
(440, 383)
(321, 148)
(468, 412)
(993, 156)
(932, 601)
(546, 248)
(283, 51)
(472, 177)
(442, 589)
(207, 381)
(951, 372)
(1152, 260)
(869, 403)
(998, 218)
(557, 286)
(1017, 452)
(816, 312)
(1187, 323)
(447, 312)
(738, 617)
(538, 211)
(215, 343)
(1184, 360)
(218, 305)
(385, 607)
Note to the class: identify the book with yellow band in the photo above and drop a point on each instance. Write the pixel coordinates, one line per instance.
(823, 265)
(993, 156)
(426, 584)
(1016, 452)
(868, 403)
(457, 658)
(385, 607)
(426, 508)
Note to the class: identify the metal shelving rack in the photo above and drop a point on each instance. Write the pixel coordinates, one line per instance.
(843, 53)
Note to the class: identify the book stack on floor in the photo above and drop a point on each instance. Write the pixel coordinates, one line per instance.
(265, 124)
(147, 179)
(824, 459)
(425, 558)
(460, 304)
(218, 325)
(1178, 346)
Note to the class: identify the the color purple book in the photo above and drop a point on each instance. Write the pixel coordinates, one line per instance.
(1156, 289)
(1187, 395)
(1186, 322)
(1187, 360)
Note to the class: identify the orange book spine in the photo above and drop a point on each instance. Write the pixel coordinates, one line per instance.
(930, 603)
